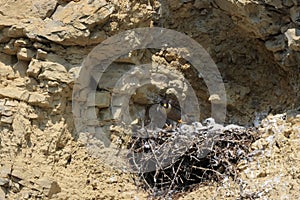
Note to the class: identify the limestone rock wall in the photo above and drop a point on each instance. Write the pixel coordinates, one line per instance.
(251, 43)
(255, 44)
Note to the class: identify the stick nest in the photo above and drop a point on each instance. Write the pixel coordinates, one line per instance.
(172, 161)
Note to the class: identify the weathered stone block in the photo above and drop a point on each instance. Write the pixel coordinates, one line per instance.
(21, 43)
(41, 55)
(92, 122)
(54, 71)
(38, 99)
(6, 120)
(6, 112)
(25, 54)
(99, 8)
(9, 48)
(11, 103)
(14, 93)
(34, 68)
(43, 8)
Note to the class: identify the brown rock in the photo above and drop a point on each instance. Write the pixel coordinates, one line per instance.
(6, 71)
(39, 100)
(6, 112)
(41, 54)
(2, 193)
(11, 103)
(22, 43)
(27, 9)
(25, 54)
(6, 120)
(54, 71)
(34, 68)
(14, 93)
(48, 187)
(5, 170)
(44, 8)
(21, 127)
(201, 4)
(9, 48)
(100, 9)
(21, 67)
(4, 35)
(276, 44)
(295, 16)
(67, 25)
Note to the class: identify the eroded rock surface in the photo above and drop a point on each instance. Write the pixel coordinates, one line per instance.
(255, 45)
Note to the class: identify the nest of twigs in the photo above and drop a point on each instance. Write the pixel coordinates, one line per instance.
(172, 161)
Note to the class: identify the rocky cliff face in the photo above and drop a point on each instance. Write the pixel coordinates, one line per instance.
(255, 44)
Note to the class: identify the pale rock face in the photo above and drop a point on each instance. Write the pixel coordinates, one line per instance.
(2, 193)
(293, 36)
(14, 93)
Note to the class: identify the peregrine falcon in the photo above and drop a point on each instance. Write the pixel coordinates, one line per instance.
(173, 112)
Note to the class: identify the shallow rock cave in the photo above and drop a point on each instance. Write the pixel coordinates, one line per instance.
(256, 79)
(251, 92)
(259, 68)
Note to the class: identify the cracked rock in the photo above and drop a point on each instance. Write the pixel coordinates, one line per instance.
(54, 71)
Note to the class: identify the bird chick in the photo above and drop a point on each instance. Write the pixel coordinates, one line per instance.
(209, 121)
